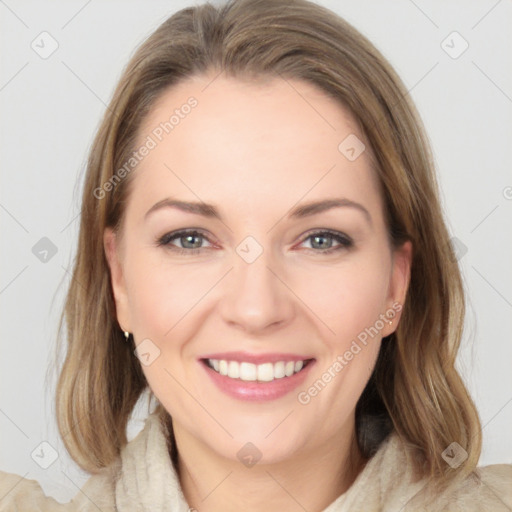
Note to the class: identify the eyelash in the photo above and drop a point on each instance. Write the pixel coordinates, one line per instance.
(164, 241)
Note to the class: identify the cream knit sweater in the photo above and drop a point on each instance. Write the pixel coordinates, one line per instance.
(144, 479)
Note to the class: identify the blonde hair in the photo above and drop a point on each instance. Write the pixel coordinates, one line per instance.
(415, 388)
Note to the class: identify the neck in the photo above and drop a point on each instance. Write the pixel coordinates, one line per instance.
(310, 480)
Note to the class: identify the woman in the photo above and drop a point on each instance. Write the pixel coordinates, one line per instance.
(301, 350)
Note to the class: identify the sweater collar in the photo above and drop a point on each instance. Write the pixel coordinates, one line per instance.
(148, 478)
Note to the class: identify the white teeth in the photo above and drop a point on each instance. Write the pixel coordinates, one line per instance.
(289, 369)
(265, 372)
(233, 370)
(248, 371)
(279, 372)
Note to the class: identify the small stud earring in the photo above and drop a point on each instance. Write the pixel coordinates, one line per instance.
(126, 335)
(390, 322)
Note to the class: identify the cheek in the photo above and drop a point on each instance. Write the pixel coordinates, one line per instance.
(161, 294)
(347, 298)
(350, 301)
(163, 298)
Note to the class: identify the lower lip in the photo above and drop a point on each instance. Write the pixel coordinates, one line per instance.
(257, 391)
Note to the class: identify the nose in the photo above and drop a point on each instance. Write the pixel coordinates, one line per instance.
(256, 298)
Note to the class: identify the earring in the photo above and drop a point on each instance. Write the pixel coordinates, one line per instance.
(390, 322)
(126, 335)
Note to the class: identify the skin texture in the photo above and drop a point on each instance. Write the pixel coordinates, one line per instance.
(256, 150)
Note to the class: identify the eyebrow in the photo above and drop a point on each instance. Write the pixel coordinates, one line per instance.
(301, 211)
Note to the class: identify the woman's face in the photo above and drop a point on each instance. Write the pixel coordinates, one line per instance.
(267, 282)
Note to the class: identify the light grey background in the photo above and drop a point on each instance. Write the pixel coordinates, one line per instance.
(50, 109)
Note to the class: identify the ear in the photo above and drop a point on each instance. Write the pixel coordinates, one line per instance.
(111, 244)
(398, 285)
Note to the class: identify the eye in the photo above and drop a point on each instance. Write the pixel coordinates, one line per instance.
(320, 240)
(191, 241)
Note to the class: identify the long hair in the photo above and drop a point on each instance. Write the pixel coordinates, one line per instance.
(415, 388)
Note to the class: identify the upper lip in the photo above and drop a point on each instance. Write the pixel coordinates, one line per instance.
(256, 358)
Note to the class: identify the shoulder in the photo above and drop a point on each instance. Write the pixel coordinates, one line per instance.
(20, 493)
(389, 482)
(137, 476)
(497, 475)
(486, 488)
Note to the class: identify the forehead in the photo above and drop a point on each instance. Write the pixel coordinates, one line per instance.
(242, 142)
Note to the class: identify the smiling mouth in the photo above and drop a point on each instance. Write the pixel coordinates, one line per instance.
(251, 372)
